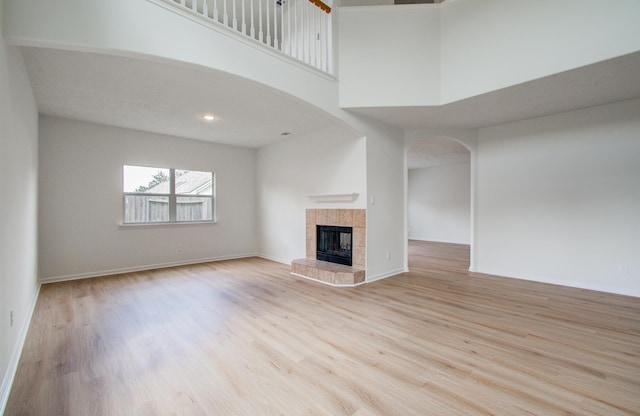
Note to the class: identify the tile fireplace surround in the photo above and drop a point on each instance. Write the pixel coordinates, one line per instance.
(331, 273)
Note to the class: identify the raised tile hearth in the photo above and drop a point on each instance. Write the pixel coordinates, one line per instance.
(331, 273)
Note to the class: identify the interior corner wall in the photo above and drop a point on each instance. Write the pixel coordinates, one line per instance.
(478, 58)
(80, 207)
(439, 203)
(389, 56)
(559, 196)
(327, 161)
(18, 210)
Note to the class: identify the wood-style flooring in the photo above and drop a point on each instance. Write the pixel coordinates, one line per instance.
(244, 337)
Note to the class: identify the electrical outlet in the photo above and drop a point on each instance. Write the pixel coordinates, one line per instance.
(388, 255)
(623, 268)
(11, 317)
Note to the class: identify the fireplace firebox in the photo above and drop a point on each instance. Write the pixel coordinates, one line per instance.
(334, 244)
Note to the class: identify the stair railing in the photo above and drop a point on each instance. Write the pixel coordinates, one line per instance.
(299, 28)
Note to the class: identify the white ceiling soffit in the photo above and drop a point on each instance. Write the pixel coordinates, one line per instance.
(165, 98)
(437, 151)
(601, 83)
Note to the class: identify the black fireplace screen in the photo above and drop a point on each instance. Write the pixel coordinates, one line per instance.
(334, 244)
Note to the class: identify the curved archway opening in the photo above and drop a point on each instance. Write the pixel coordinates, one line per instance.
(439, 204)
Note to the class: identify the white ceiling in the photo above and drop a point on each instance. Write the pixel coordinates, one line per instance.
(170, 99)
(165, 98)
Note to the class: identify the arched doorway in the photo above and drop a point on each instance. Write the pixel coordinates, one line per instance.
(439, 203)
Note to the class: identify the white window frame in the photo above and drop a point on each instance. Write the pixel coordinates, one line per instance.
(173, 198)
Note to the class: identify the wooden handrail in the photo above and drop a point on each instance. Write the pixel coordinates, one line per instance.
(321, 5)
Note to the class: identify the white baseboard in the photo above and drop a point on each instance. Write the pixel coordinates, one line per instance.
(79, 276)
(12, 368)
(371, 279)
(276, 259)
(567, 283)
(431, 240)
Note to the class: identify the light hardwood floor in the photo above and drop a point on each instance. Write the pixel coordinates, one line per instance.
(244, 337)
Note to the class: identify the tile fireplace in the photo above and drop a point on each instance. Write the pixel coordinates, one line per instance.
(335, 247)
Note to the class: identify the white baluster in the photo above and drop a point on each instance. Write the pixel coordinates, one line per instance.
(215, 10)
(225, 15)
(194, 5)
(205, 8)
(294, 38)
(275, 24)
(282, 26)
(312, 35)
(183, 2)
(289, 29)
(260, 20)
(323, 52)
(329, 33)
(253, 27)
(306, 32)
(235, 19)
(268, 23)
(244, 20)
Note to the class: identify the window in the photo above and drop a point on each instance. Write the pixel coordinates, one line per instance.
(163, 195)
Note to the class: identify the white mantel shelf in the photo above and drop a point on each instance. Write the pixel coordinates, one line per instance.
(334, 197)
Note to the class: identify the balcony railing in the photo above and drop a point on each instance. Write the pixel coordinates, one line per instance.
(300, 29)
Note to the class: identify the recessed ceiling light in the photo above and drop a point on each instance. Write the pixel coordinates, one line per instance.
(209, 117)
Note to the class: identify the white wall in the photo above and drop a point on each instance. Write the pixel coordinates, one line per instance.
(371, 166)
(327, 161)
(18, 210)
(423, 55)
(81, 201)
(386, 213)
(559, 199)
(439, 203)
(389, 55)
(545, 37)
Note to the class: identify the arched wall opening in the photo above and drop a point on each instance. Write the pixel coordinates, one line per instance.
(439, 194)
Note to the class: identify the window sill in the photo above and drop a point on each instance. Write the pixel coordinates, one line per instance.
(166, 224)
